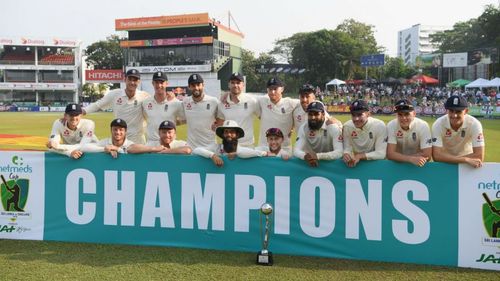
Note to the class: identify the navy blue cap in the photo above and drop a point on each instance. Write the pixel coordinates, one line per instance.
(306, 89)
(403, 106)
(167, 125)
(316, 106)
(274, 132)
(195, 78)
(275, 81)
(160, 76)
(118, 123)
(236, 76)
(456, 103)
(359, 106)
(134, 73)
(73, 109)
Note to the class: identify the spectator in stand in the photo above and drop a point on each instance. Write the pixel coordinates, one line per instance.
(161, 106)
(457, 136)
(409, 138)
(71, 132)
(126, 105)
(316, 140)
(365, 138)
(240, 107)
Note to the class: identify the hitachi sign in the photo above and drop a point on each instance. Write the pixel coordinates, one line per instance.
(104, 75)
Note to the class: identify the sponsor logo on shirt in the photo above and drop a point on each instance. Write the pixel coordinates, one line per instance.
(448, 133)
(480, 137)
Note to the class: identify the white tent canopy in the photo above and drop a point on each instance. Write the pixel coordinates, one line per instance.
(478, 83)
(335, 82)
(494, 82)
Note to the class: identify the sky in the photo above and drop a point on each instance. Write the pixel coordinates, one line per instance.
(262, 22)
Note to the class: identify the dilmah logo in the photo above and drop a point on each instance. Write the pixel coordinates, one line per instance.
(14, 194)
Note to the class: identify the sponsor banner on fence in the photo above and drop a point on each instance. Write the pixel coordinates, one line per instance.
(479, 212)
(407, 215)
(22, 195)
(173, 68)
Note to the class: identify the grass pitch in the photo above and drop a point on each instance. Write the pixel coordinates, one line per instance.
(41, 260)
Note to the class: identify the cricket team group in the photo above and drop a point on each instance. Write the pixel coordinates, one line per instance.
(147, 123)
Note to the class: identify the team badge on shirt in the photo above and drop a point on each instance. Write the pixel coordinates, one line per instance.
(448, 133)
(299, 118)
(270, 106)
(227, 105)
(354, 135)
(119, 101)
(312, 134)
(188, 106)
(66, 133)
(480, 137)
(89, 134)
(399, 134)
(150, 106)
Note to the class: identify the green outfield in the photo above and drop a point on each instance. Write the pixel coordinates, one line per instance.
(35, 260)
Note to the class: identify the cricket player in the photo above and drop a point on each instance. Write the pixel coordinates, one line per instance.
(168, 134)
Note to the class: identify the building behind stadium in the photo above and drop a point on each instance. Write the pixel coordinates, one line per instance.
(181, 45)
(38, 73)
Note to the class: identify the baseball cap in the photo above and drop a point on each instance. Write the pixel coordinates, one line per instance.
(118, 123)
(73, 109)
(359, 106)
(456, 103)
(306, 89)
(160, 76)
(134, 73)
(403, 106)
(167, 124)
(274, 132)
(195, 78)
(316, 106)
(275, 81)
(236, 76)
(229, 124)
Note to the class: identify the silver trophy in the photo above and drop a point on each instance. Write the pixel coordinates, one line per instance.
(264, 257)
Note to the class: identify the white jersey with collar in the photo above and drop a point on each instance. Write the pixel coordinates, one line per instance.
(411, 141)
(157, 112)
(459, 142)
(279, 115)
(243, 113)
(67, 140)
(326, 142)
(371, 139)
(128, 109)
(218, 149)
(173, 144)
(100, 145)
(281, 153)
(300, 117)
(200, 117)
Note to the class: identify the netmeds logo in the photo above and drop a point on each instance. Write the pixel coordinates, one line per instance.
(16, 165)
(493, 185)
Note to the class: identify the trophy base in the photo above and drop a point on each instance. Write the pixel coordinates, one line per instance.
(265, 258)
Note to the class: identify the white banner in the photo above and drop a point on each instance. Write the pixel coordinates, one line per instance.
(479, 216)
(23, 195)
(455, 60)
(173, 68)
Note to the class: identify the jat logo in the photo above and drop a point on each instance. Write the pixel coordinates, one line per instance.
(14, 194)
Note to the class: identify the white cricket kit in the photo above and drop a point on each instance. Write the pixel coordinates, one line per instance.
(99, 146)
(199, 117)
(411, 141)
(243, 113)
(300, 117)
(326, 142)
(266, 149)
(217, 149)
(173, 144)
(155, 113)
(458, 142)
(371, 139)
(67, 140)
(278, 115)
(124, 108)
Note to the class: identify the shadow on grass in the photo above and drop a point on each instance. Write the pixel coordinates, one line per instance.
(106, 255)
